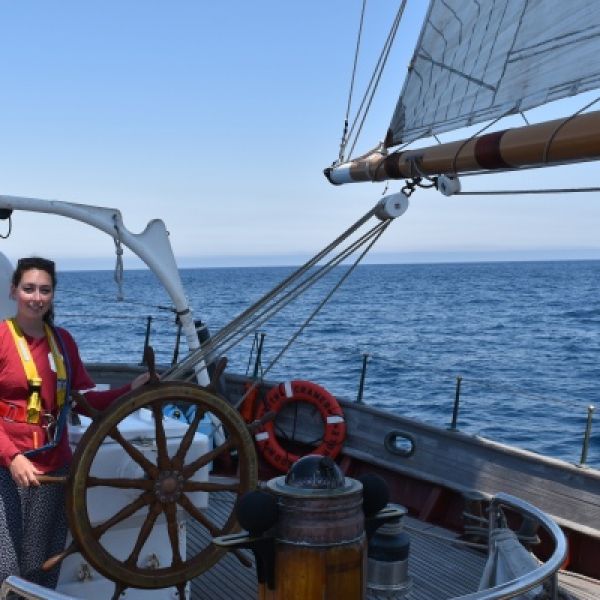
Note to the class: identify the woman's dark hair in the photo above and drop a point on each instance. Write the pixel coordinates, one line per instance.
(42, 264)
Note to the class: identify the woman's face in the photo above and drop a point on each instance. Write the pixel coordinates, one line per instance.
(33, 294)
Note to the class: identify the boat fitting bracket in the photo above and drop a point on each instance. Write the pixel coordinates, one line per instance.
(391, 206)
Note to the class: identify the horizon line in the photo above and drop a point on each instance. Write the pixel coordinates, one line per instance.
(385, 258)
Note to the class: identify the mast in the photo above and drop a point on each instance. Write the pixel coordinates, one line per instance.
(562, 141)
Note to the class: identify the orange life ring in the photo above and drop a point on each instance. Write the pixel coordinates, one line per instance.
(300, 391)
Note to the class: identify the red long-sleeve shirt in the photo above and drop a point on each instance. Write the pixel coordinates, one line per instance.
(18, 437)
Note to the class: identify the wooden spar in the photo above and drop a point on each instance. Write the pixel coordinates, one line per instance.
(562, 141)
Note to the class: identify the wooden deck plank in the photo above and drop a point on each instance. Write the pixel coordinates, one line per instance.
(580, 587)
(439, 567)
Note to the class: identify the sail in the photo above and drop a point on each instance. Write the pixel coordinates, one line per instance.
(477, 60)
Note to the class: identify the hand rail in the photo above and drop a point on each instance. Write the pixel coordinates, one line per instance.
(29, 591)
(548, 570)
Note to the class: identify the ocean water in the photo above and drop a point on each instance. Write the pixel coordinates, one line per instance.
(523, 336)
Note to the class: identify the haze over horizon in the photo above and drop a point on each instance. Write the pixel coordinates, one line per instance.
(407, 258)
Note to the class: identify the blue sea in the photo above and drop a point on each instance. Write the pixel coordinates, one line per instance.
(523, 336)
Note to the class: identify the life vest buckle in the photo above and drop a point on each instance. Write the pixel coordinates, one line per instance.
(49, 424)
(35, 385)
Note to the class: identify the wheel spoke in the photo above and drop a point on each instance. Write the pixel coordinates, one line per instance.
(190, 469)
(137, 484)
(150, 468)
(163, 460)
(181, 591)
(187, 440)
(194, 512)
(54, 560)
(52, 479)
(119, 589)
(145, 531)
(212, 528)
(123, 514)
(210, 486)
(173, 529)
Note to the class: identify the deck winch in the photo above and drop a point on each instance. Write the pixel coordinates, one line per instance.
(388, 556)
(309, 531)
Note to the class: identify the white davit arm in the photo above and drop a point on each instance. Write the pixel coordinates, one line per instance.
(151, 245)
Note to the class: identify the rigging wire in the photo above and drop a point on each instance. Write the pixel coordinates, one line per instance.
(379, 229)
(561, 125)
(477, 133)
(188, 362)
(375, 78)
(327, 298)
(267, 314)
(268, 305)
(518, 192)
(221, 343)
(344, 139)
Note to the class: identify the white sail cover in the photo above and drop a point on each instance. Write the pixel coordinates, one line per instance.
(480, 59)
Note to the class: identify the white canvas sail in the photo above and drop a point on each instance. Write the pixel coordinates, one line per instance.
(480, 59)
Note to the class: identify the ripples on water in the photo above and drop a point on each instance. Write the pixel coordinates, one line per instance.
(525, 338)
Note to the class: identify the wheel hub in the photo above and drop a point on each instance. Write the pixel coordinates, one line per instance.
(168, 486)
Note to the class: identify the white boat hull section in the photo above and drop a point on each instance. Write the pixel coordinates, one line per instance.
(8, 306)
(77, 577)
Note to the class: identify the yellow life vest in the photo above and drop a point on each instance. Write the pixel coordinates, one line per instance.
(34, 402)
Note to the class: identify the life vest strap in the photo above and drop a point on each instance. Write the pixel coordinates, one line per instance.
(13, 412)
(34, 402)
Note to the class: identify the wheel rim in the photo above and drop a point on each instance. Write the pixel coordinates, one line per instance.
(164, 487)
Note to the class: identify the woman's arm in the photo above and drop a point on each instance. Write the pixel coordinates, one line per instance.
(81, 380)
(101, 400)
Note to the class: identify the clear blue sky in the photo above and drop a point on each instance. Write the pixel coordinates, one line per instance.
(218, 117)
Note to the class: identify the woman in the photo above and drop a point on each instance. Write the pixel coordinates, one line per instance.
(39, 364)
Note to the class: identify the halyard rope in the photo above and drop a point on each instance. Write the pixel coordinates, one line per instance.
(119, 263)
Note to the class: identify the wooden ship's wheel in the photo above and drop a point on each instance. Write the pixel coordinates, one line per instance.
(164, 486)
